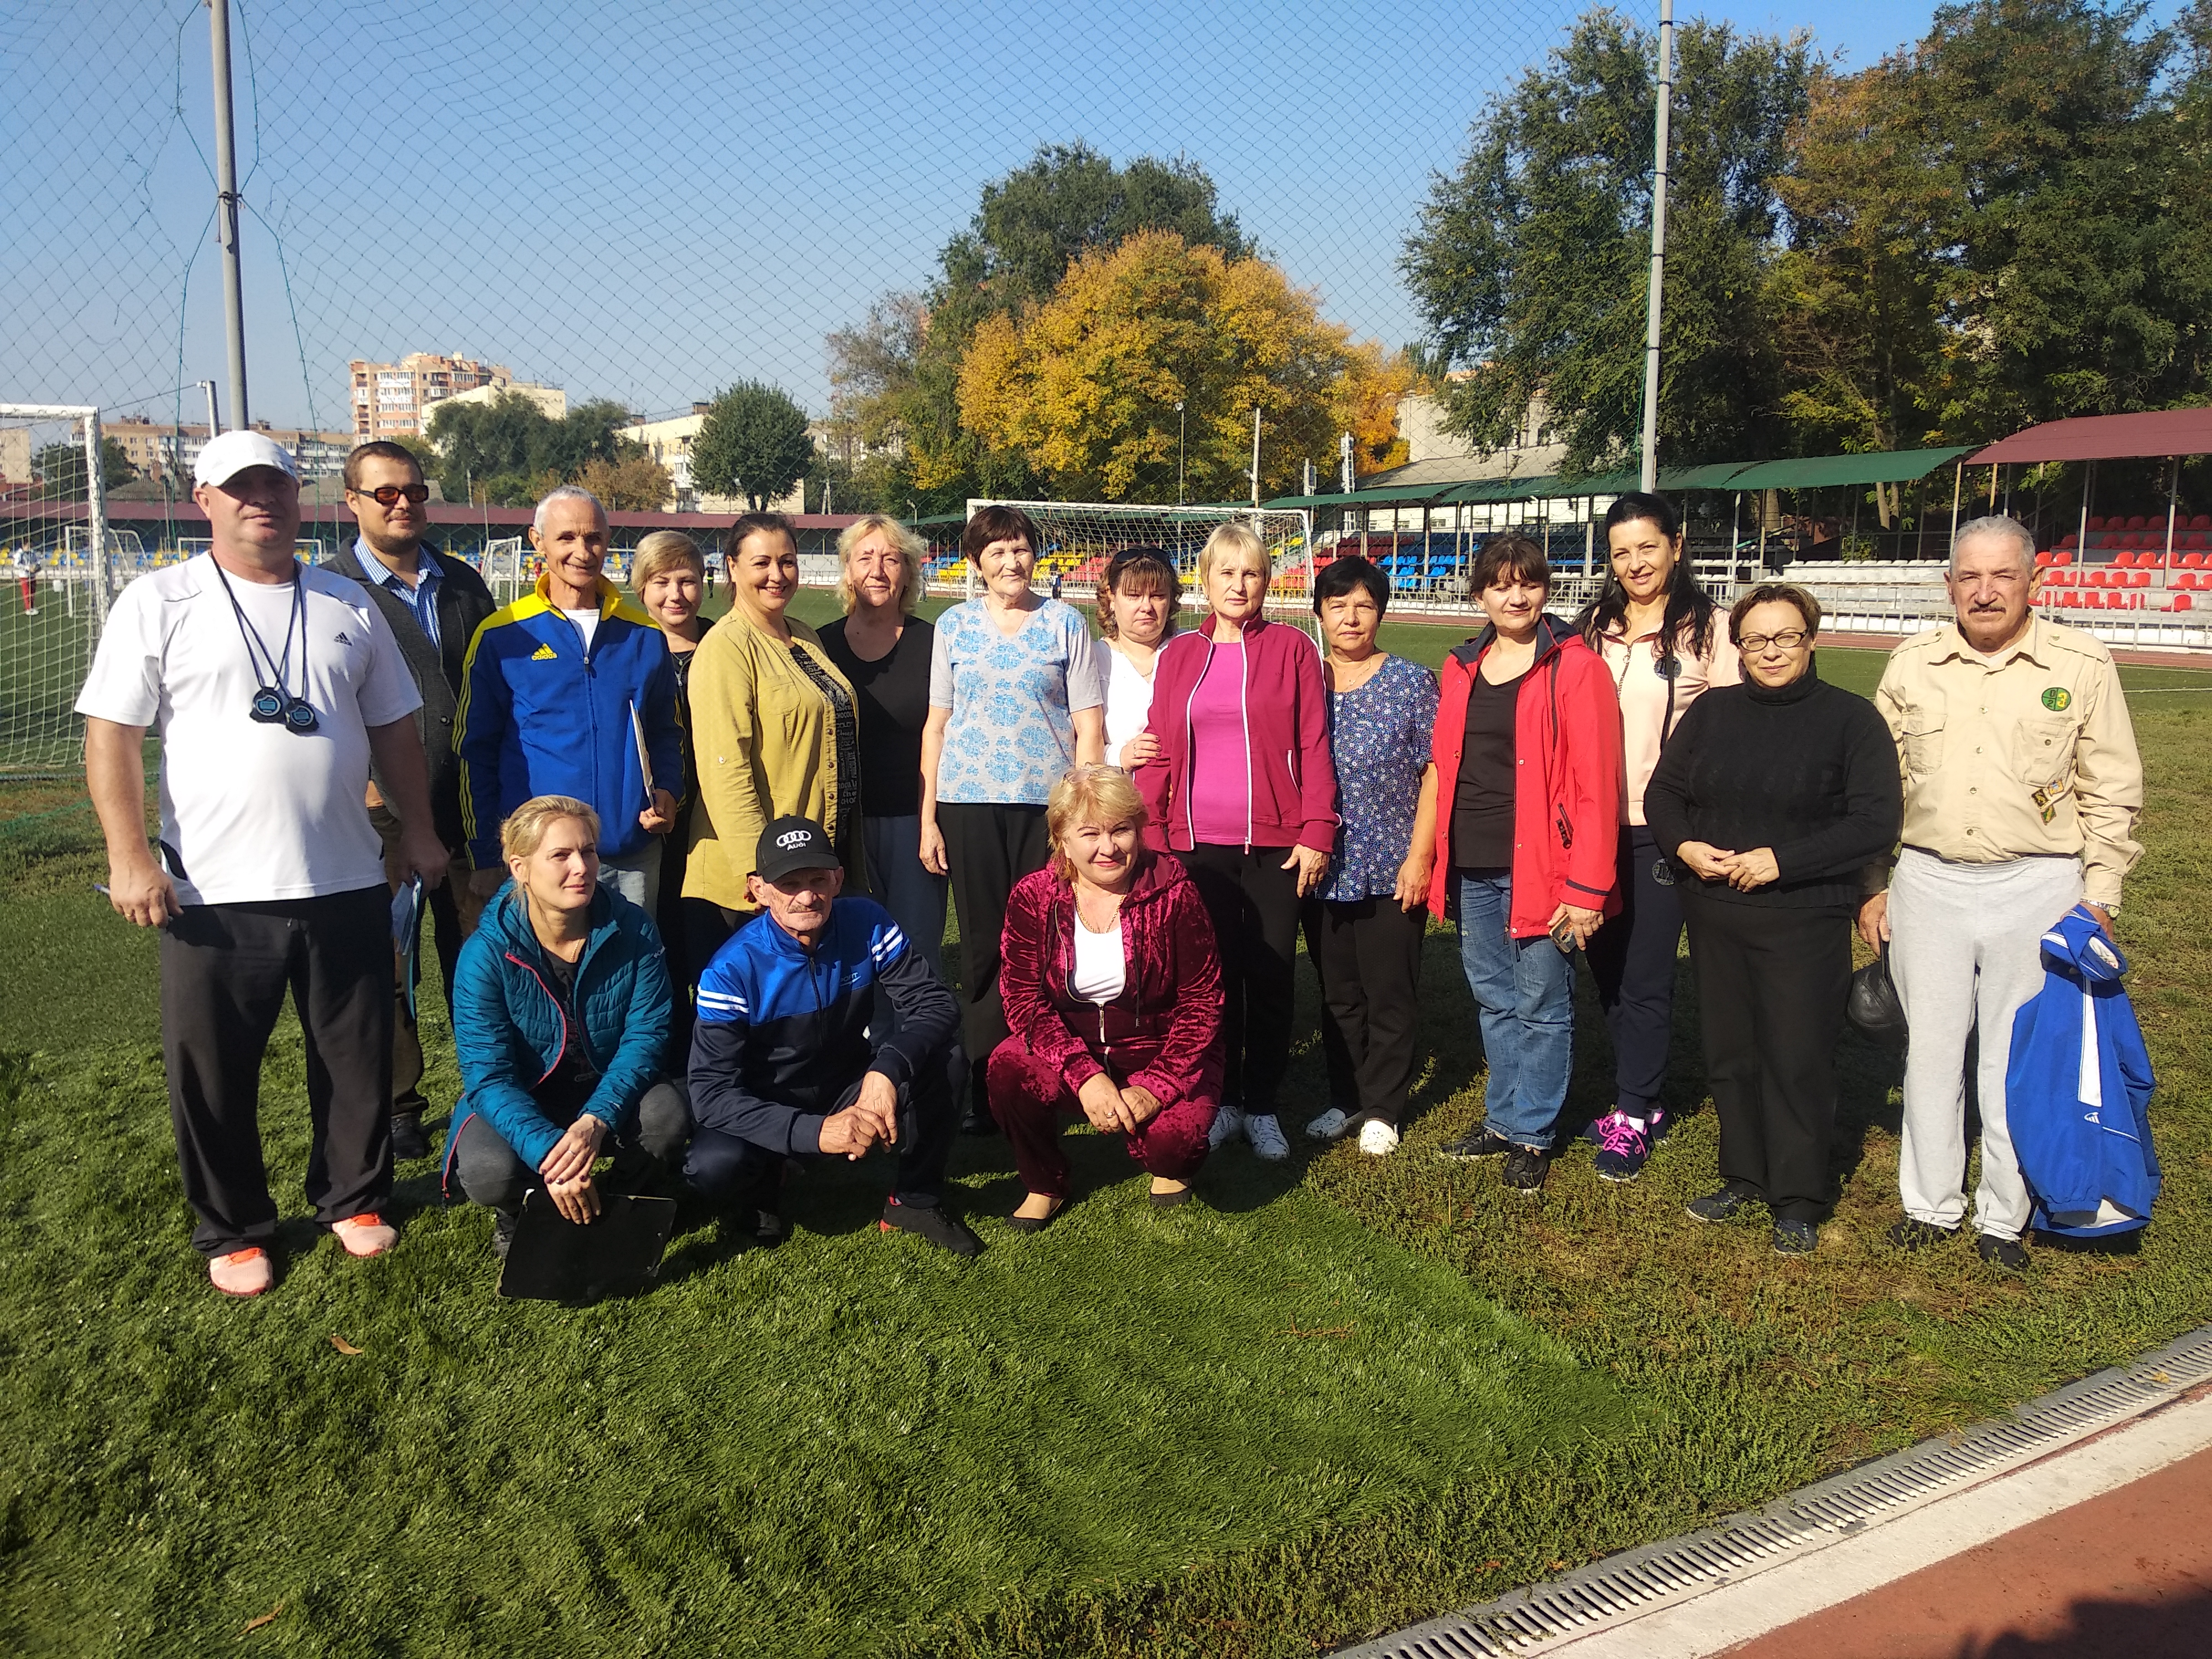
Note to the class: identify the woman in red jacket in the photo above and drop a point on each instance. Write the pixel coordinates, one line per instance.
(1528, 755)
(1112, 995)
(1244, 792)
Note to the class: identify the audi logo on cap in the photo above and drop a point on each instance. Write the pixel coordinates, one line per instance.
(790, 838)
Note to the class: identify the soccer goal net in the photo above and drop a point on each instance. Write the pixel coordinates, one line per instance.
(1079, 538)
(60, 563)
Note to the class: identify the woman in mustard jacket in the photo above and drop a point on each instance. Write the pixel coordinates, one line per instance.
(774, 731)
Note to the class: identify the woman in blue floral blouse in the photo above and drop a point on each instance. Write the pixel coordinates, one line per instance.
(1363, 931)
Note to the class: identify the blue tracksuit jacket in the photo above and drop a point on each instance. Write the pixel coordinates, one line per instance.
(539, 715)
(2077, 1090)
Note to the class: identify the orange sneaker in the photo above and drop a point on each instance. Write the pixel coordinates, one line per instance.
(242, 1273)
(365, 1234)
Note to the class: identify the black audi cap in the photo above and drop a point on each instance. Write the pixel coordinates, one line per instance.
(792, 843)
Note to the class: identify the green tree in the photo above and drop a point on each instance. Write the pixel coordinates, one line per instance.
(898, 374)
(753, 442)
(60, 468)
(504, 452)
(1530, 262)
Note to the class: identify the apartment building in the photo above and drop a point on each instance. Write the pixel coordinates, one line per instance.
(151, 446)
(394, 400)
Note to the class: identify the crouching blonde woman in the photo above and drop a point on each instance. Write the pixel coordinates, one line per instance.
(1112, 991)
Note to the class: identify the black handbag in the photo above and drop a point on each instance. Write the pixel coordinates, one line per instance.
(1873, 1007)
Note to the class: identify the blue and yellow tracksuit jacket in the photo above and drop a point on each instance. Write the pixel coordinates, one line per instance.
(539, 715)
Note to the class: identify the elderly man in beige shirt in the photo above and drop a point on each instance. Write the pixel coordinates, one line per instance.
(2021, 789)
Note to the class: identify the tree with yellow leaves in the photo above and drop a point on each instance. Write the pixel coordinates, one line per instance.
(1085, 386)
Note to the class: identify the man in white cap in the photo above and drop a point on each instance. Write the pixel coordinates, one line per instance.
(273, 686)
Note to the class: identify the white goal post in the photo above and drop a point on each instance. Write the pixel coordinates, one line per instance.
(57, 575)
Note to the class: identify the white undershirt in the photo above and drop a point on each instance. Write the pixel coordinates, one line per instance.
(588, 621)
(1099, 972)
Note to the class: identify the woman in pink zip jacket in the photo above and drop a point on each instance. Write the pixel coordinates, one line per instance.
(1113, 994)
(1528, 756)
(1244, 792)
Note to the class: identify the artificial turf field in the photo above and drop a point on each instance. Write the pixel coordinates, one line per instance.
(1338, 1395)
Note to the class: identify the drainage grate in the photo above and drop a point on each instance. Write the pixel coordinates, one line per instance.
(1623, 1586)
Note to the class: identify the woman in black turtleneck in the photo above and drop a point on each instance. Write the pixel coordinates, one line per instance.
(1774, 794)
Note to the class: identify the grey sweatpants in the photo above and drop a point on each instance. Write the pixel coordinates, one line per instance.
(1965, 953)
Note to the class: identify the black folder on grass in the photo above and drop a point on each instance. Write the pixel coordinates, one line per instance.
(552, 1259)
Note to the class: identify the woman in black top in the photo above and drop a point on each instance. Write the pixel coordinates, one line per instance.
(1775, 794)
(884, 649)
(666, 572)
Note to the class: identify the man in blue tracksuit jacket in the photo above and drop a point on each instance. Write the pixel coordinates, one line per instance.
(793, 1054)
(556, 691)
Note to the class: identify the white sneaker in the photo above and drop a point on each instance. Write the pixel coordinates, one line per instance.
(1265, 1135)
(1329, 1126)
(1378, 1139)
(1228, 1124)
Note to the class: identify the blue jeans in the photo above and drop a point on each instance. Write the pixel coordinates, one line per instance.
(1524, 994)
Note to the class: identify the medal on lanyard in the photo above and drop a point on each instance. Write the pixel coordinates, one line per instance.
(276, 704)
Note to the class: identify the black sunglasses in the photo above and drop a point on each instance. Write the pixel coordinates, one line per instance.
(385, 495)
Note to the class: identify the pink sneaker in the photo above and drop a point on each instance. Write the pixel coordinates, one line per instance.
(242, 1273)
(365, 1234)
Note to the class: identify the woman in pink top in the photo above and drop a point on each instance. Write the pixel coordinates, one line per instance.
(1662, 640)
(1243, 790)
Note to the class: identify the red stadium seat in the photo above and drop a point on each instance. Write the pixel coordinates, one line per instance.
(2202, 521)
(2096, 523)
(2137, 522)
(2183, 602)
(2192, 561)
(2065, 557)
(2142, 579)
(2068, 539)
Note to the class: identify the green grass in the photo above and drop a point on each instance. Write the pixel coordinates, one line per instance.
(1337, 1396)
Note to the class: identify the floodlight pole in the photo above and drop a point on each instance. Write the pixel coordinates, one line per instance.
(1256, 454)
(1181, 420)
(226, 209)
(1649, 477)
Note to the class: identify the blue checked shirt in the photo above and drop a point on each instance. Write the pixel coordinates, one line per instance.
(422, 599)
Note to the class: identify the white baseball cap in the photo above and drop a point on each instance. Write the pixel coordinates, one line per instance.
(232, 453)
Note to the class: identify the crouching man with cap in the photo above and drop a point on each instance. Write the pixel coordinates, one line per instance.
(793, 1055)
(560, 1014)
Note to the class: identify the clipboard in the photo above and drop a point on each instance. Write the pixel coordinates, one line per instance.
(551, 1259)
(644, 759)
(407, 933)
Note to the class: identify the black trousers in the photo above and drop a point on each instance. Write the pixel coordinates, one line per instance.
(1368, 954)
(1253, 902)
(1632, 959)
(987, 848)
(493, 1174)
(727, 1169)
(225, 969)
(1772, 985)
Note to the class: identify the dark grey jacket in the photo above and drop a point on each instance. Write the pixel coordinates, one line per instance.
(463, 601)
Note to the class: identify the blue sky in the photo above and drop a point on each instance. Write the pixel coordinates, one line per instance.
(649, 201)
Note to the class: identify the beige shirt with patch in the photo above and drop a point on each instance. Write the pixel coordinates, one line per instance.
(2029, 753)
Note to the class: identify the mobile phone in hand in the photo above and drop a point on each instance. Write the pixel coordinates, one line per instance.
(1562, 935)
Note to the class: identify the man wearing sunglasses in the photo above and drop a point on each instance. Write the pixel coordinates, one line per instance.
(433, 604)
(275, 686)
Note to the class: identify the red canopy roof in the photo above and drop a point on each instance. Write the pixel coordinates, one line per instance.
(2106, 438)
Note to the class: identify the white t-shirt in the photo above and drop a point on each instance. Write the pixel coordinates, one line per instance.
(1099, 973)
(1128, 698)
(252, 811)
(588, 622)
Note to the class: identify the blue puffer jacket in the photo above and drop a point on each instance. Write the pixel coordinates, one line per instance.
(2077, 1090)
(509, 1034)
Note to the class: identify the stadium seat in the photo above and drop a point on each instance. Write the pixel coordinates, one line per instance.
(2043, 561)
(2064, 556)
(2193, 561)
(2180, 601)
(2137, 522)
(2068, 540)
(2142, 579)
(2096, 523)
(2202, 521)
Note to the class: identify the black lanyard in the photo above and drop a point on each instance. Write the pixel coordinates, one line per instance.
(276, 704)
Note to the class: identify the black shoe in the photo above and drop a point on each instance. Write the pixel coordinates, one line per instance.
(1793, 1237)
(769, 1229)
(1717, 1207)
(1913, 1234)
(408, 1140)
(1485, 1142)
(946, 1231)
(1525, 1170)
(2005, 1253)
(502, 1232)
(975, 1121)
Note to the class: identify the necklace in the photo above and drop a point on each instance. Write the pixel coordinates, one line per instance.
(275, 704)
(1112, 912)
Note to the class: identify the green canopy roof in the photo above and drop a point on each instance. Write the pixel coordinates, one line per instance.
(1819, 472)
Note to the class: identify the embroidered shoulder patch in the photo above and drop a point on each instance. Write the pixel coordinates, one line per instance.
(547, 653)
(2057, 699)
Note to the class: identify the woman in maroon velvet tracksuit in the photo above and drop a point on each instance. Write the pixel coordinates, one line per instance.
(1112, 989)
